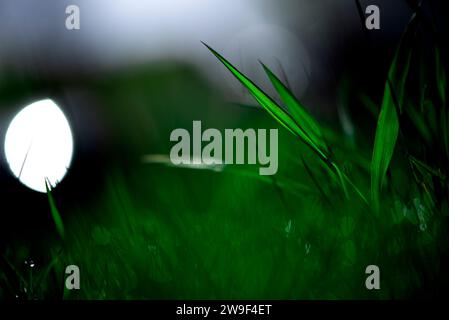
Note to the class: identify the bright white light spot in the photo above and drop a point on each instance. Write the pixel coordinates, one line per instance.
(39, 145)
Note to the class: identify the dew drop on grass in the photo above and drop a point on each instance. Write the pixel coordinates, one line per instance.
(30, 263)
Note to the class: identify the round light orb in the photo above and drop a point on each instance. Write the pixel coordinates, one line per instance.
(39, 145)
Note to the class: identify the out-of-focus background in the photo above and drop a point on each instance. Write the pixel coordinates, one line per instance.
(310, 39)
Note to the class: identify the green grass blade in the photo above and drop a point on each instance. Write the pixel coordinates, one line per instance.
(54, 211)
(384, 143)
(276, 111)
(298, 111)
(387, 130)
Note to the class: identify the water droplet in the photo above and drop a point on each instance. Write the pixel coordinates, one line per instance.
(30, 263)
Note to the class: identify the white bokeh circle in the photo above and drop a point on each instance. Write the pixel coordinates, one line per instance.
(39, 145)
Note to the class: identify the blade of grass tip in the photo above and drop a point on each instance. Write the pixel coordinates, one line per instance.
(54, 211)
(308, 123)
(298, 111)
(276, 111)
(284, 75)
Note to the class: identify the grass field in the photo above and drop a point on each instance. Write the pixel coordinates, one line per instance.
(339, 203)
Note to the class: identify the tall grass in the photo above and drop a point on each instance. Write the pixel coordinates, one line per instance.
(395, 110)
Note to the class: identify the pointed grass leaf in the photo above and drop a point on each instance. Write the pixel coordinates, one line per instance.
(276, 111)
(387, 129)
(298, 111)
(54, 211)
(384, 143)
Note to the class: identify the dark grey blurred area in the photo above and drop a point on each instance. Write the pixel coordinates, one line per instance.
(303, 41)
